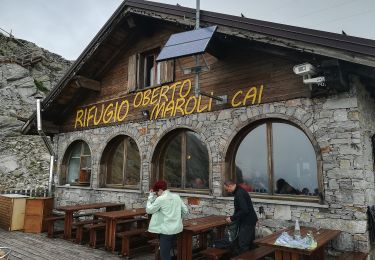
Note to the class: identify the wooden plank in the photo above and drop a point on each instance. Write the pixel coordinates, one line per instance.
(132, 73)
(18, 216)
(238, 71)
(83, 82)
(39, 247)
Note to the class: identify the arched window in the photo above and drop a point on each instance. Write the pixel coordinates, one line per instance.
(275, 158)
(121, 164)
(183, 161)
(76, 168)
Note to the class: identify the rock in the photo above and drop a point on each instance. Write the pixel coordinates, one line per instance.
(24, 160)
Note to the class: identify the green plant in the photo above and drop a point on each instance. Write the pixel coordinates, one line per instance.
(40, 86)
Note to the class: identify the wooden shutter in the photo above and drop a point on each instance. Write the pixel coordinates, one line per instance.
(167, 71)
(132, 73)
(140, 71)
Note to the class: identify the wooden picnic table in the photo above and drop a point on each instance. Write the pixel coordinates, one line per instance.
(69, 211)
(111, 219)
(322, 237)
(197, 226)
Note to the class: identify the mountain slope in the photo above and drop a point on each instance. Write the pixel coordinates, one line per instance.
(24, 160)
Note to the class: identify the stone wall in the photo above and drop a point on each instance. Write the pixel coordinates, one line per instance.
(367, 119)
(333, 123)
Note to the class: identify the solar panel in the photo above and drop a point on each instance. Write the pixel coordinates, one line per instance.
(187, 43)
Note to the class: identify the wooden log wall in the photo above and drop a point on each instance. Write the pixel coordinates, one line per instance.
(241, 69)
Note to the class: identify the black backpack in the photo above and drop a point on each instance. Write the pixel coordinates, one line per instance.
(230, 235)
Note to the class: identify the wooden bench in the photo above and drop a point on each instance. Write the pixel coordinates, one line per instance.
(214, 253)
(96, 227)
(155, 243)
(50, 222)
(93, 230)
(352, 256)
(254, 254)
(79, 225)
(125, 239)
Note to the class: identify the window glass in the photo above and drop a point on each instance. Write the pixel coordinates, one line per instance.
(73, 170)
(116, 164)
(196, 162)
(294, 161)
(76, 150)
(184, 162)
(133, 166)
(122, 163)
(251, 161)
(172, 166)
(86, 149)
(150, 70)
(78, 165)
(286, 155)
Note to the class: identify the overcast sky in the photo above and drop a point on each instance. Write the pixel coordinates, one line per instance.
(66, 27)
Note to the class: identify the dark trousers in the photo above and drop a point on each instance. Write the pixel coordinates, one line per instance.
(246, 236)
(166, 243)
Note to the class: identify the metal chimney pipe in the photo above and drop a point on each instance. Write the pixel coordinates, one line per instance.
(38, 115)
(50, 179)
(47, 142)
(197, 15)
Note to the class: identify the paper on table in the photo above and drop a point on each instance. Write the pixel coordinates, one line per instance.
(302, 243)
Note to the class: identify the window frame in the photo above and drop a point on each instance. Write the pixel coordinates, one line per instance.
(66, 162)
(238, 139)
(108, 155)
(158, 165)
(137, 73)
(156, 71)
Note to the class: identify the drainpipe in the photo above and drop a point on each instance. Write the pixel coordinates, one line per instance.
(197, 25)
(47, 142)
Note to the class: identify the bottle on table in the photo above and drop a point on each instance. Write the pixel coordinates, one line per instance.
(297, 230)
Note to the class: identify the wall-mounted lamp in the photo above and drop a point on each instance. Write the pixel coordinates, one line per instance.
(146, 114)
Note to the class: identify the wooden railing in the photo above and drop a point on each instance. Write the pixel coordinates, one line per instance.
(24, 59)
(37, 192)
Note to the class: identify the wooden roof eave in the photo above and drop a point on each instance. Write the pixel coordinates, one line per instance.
(296, 45)
(72, 71)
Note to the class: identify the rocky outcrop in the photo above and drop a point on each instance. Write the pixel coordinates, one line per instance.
(24, 160)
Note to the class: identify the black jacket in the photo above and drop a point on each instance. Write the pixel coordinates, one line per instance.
(244, 211)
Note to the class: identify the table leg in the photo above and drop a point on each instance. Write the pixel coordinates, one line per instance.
(278, 255)
(113, 235)
(203, 240)
(221, 232)
(294, 256)
(188, 244)
(317, 255)
(179, 246)
(108, 237)
(283, 255)
(68, 224)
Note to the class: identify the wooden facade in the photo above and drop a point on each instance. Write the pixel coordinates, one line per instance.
(235, 75)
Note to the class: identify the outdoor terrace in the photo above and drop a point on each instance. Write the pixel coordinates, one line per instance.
(39, 246)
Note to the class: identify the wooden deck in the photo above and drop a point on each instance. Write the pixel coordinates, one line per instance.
(39, 247)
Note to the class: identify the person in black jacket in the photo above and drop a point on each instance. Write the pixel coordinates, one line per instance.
(244, 214)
